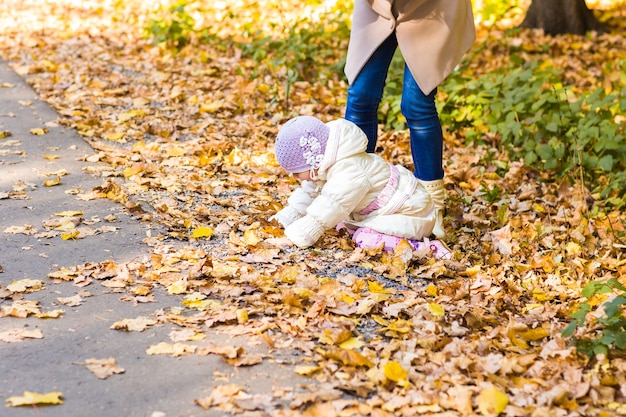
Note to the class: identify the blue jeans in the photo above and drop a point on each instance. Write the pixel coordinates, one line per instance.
(419, 110)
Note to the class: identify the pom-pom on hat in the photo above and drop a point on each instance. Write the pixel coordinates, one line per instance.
(301, 144)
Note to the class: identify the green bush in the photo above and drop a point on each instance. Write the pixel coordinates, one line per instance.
(539, 120)
(605, 334)
(172, 26)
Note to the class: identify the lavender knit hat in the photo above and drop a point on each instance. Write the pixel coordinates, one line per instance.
(301, 144)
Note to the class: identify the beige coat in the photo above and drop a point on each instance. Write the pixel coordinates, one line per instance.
(432, 35)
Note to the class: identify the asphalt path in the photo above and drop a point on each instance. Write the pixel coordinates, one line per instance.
(151, 385)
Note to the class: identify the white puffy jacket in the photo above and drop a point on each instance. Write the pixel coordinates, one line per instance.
(358, 188)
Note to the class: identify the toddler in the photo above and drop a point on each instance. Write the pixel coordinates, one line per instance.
(342, 184)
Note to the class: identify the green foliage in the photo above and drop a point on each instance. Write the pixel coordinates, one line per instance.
(304, 46)
(306, 49)
(492, 194)
(173, 26)
(538, 120)
(608, 332)
(491, 12)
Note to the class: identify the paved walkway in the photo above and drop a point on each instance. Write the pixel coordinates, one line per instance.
(152, 385)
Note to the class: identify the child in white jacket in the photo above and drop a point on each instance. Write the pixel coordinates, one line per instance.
(341, 183)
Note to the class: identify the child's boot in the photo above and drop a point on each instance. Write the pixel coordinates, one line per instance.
(437, 193)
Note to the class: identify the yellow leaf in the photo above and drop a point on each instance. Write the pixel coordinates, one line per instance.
(197, 336)
(534, 334)
(573, 248)
(307, 370)
(436, 310)
(178, 287)
(352, 343)
(348, 357)
(33, 398)
(134, 170)
(68, 213)
(540, 295)
(516, 340)
(176, 151)
(304, 293)
(224, 269)
(68, 236)
(539, 208)
(346, 298)
(399, 326)
(288, 274)
(114, 136)
(251, 237)
(211, 107)
(52, 182)
(126, 116)
(242, 315)
(201, 305)
(202, 231)
(431, 290)
(38, 131)
(235, 157)
(50, 157)
(380, 320)
(376, 288)
(395, 372)
(140, 290)
(473, 270)
(492, 401)
(54, 314)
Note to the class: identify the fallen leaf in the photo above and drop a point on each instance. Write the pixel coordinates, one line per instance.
(33, 398)
(134, 325)
(17, 335)
(103, 368)
(492, 401)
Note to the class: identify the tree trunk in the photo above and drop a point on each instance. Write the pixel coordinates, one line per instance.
(562, 16)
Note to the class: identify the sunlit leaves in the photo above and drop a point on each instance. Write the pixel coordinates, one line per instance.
(406, 333)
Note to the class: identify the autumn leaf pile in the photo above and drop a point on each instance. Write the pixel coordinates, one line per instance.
(184, 139)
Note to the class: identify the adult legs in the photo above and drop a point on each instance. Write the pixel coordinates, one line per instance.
(366, 91)
(426, 138)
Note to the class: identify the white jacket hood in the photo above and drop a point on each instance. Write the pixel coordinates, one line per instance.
(344, 140)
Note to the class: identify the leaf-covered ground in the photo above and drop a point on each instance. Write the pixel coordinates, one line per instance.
(187, 140)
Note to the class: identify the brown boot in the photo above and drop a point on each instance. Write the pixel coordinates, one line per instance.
(437, 193)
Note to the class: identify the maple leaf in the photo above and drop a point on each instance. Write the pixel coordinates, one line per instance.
(25, 285)
(503, 240)
(138, 325)
(103, 368)
(17, 335)
(32, 398)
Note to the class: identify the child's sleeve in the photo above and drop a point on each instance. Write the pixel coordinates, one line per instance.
(334, 204)
(297, 204)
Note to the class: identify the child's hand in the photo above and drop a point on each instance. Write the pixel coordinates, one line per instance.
(281, 242)
(286, 216)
